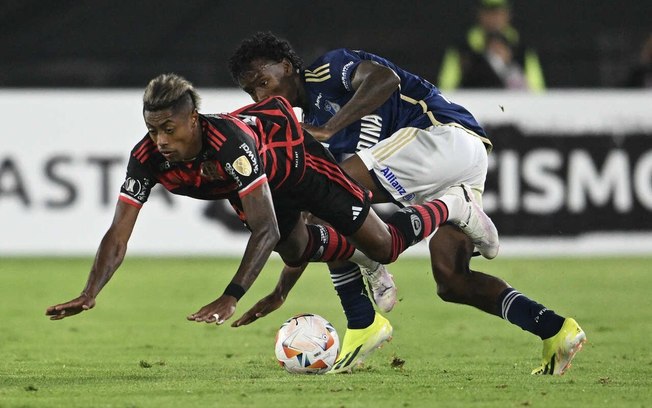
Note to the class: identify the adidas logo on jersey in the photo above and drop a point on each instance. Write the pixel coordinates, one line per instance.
(356, 211)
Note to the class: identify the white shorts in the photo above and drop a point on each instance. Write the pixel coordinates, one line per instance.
(418, 165)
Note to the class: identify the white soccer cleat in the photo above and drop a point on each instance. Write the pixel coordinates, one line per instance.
(476, 224)
(382, 286)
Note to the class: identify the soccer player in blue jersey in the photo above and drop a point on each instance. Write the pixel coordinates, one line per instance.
(410, 144)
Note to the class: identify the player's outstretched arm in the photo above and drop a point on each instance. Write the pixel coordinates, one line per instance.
(259, 212)
(71, 308)
(109, 256)
(289, 276)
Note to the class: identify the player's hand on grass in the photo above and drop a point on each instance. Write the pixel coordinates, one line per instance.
(217, 311)
(75, 306)
(264, 307)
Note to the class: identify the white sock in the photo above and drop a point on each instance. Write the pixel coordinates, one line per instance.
(457, 208)
(363, 260)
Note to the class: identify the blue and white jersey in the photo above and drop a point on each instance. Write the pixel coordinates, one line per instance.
(417, 103)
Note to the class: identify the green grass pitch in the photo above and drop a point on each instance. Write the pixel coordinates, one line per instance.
(135, 349)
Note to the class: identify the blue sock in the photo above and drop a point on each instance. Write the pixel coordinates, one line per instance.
(528, 314)
(350, 287)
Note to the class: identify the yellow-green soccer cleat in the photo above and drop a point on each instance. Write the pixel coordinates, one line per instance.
(559, 350)
(359, 343)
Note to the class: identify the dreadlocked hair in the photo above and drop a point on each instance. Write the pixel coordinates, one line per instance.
(261, 45)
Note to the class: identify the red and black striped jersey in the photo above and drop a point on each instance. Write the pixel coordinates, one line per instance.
(259, 143)
(279, 139)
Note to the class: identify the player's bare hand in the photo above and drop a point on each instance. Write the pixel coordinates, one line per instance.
(264, 307)
(320, 133)
(71, 308)
(217, 311)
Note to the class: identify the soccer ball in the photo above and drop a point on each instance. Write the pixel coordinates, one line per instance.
(307, 344)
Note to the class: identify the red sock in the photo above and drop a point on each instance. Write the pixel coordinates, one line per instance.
(325, 245)
(412, 224)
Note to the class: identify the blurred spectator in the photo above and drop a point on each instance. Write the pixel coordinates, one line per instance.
(640, 75)
(492, 55)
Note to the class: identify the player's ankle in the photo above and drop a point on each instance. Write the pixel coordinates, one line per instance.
(457, 208)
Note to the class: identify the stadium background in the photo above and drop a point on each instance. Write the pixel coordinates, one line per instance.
(64, 64)
(570, 175)
(104, 43)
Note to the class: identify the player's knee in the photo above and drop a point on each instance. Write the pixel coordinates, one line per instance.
(291, 260)
(385, 254)
(291, 254)
(376, 246)
(451, 287)
(446, 293)
(450, 252)
(446, 276)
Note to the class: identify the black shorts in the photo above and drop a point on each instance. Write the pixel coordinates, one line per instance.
(325, 191)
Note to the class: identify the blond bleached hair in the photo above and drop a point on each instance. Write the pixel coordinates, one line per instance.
(169, 91)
